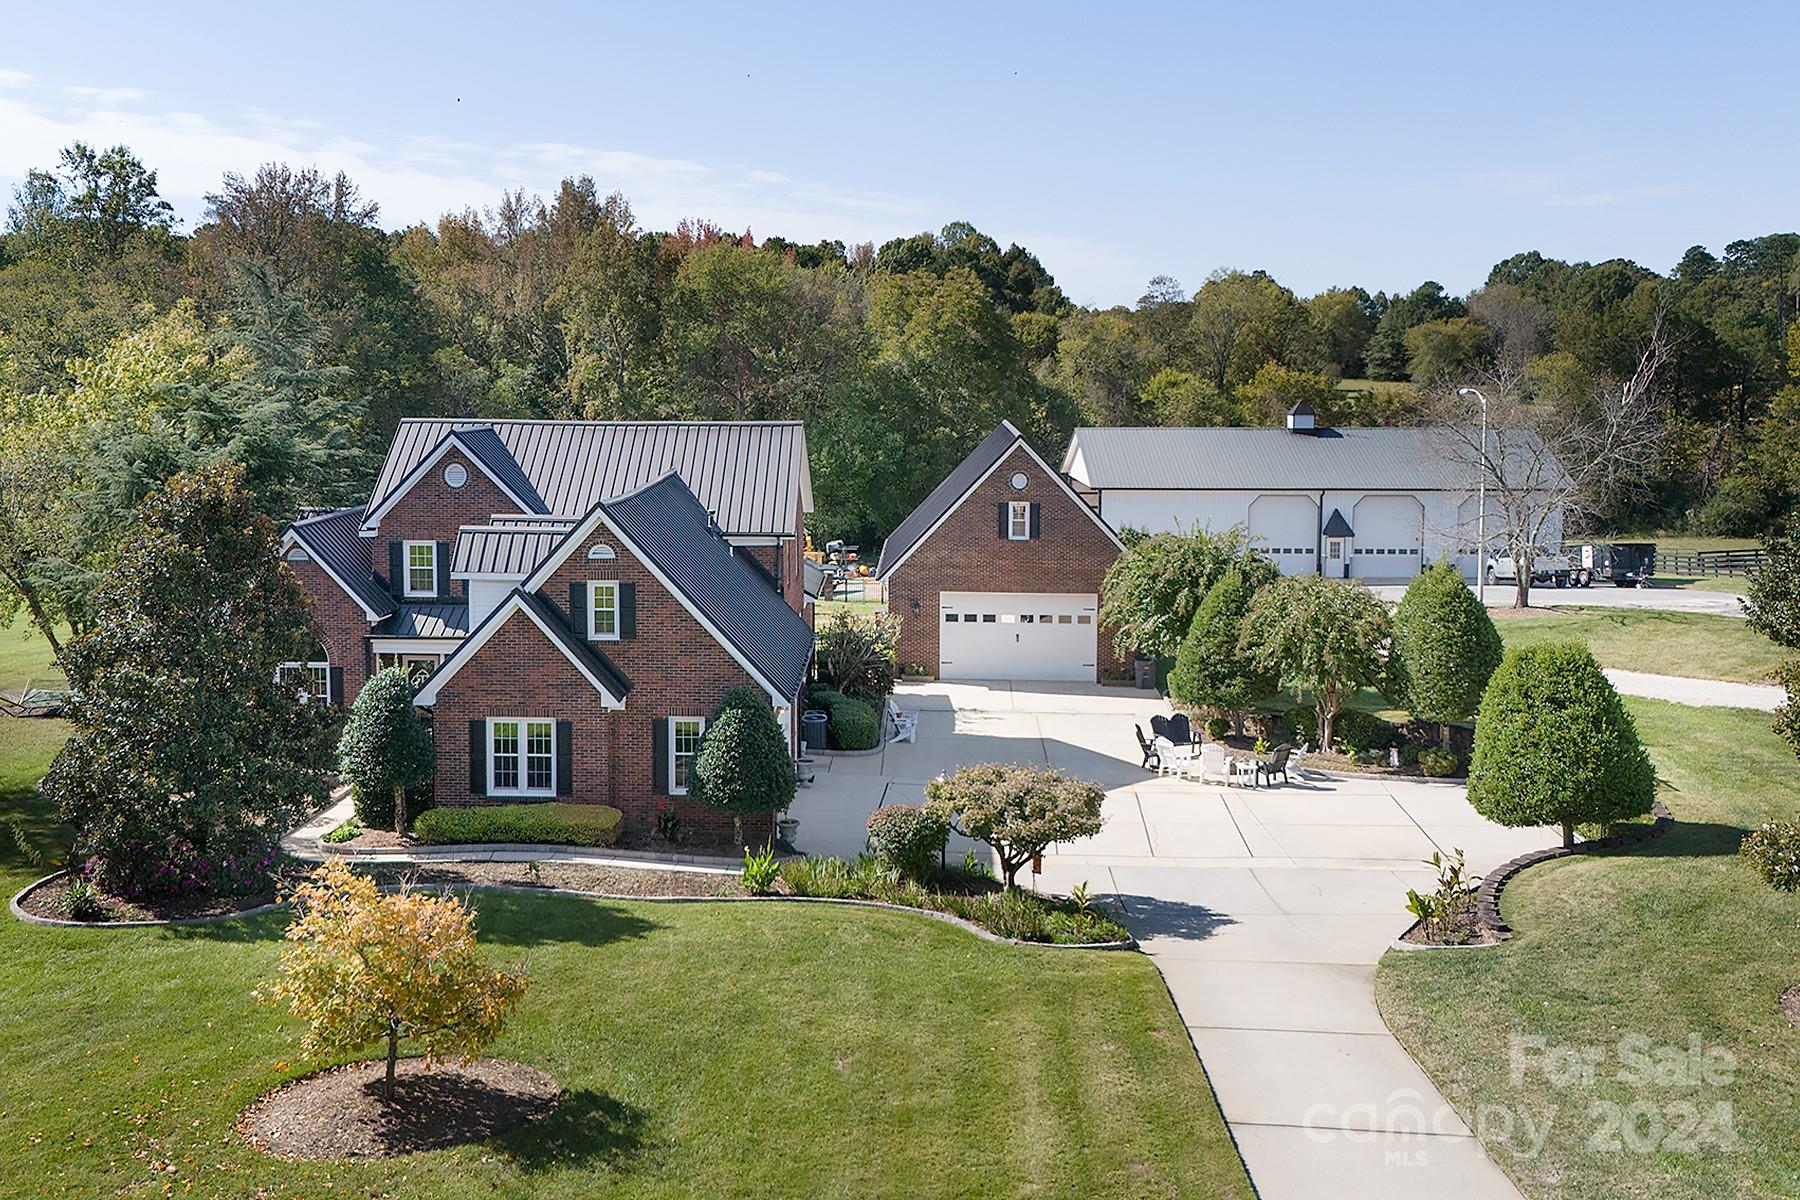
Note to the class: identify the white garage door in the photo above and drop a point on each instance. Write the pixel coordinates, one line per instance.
(1016, 635)
(1387, 537)
(1286, 530)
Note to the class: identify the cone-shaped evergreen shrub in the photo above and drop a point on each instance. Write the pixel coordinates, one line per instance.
(1210, 671)
(744, 764)
(1445, 648)
(1555, 746)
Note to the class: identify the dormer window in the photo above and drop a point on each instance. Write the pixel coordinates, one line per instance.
(421, 568)
(603, 610)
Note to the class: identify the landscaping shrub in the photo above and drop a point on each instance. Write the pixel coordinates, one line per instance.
(1323, 638)
(1016, 810)
(850, 724)
(1217, 728)
(855, 655)
(1554, 744)
(1211, 671)
(1364, 732)
(1437, 763)
(1445, 648)
(83, 901)
(1151, 591)
(1774, 851)
(761, 870)
(908, 838)
(548, 823)
(744, 764)
(385, 751)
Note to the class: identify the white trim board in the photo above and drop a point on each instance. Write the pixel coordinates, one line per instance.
(372, 519)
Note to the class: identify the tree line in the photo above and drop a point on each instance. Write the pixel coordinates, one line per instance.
(290, 331)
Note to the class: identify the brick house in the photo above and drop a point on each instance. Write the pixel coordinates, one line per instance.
(575, 597)
(996, 575)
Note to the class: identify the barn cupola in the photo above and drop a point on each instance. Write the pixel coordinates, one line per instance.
(1300, 418)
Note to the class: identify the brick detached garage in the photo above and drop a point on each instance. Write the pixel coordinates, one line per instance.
(996, 575)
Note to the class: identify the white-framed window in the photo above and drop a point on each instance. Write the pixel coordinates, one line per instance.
(421, 568)
(521, 756)
(684, 743)
(313, 679)
(603, 610)
(1018, 520)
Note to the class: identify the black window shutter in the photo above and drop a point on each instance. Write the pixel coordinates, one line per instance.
(578, 595)
(478, 758)
(1005, 531)
(443, 570)
(396, 576)
(1034, 518)
(565, 758)
(334, 685)
(628, 610)
(659, 756)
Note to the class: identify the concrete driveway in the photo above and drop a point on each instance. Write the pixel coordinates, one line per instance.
(1266, 911)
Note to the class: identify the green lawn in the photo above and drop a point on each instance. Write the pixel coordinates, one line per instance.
(1672, 940)
(1667, 643)
(829, 608)
(25, 657)
(708, 1050)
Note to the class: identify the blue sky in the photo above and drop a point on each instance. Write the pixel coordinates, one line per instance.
(1379, 144)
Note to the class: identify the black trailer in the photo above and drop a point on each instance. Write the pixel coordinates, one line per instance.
(1622, 564)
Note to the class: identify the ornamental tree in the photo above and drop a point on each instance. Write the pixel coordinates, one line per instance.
(1445, 648)
(1772, 608)
(1152, 590)
(744, 764)
(1322, 638)
(1211, 671)
(361, 967)
(187, 748)
(1017, 810)
(1554, 744)
(385, 749)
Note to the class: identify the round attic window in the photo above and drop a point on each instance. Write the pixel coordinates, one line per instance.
(1018, 481)
(456, 475)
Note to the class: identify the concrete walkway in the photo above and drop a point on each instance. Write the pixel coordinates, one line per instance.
(1265, 910)
(1703, 693)
(1668, 599)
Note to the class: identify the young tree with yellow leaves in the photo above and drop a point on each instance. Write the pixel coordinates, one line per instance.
(362, 966)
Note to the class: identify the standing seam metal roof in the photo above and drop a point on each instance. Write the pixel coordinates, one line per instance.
(513, 550)
(752, 475)
(1240, 459)
(945, 495)
(670, 525)
(332, 539)
(425, 621)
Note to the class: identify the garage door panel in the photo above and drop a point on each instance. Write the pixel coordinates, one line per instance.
(1286, 530)
(1017, 635)
(1388, 531)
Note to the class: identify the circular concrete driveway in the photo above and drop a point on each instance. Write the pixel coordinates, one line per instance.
(1265, 910)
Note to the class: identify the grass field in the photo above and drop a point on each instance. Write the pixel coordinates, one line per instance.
(829, 608)
(1667, 643)
(1673, 940)
(707, 1049)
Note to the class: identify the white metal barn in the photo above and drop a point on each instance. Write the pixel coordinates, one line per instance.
(1377, 503)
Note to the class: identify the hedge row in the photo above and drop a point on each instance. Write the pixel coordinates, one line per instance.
(548, 824)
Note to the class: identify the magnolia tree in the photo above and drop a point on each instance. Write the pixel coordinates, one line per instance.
(1555, 746)
(1152, 590)
(363, 967)
(1445, 648)
(189, 755)
(744, 765)
(385, 749)
(1017, 810)
(1324, 639)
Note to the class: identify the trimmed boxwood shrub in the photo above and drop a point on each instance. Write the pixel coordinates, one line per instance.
(744, 764)
(851, 724)
(1437, 763)
(386, 751)
(1774, 851)
(1555, 746)
(1364, 731)
(549, 823)
(908, 838)
(1445, 648)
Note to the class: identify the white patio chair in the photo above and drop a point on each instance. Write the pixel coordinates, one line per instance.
(1208, 764)
(1172, 759)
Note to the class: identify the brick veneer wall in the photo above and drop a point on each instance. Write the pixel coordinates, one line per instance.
(675, 666)
(342, 624)
(965, 554)
(432, 511)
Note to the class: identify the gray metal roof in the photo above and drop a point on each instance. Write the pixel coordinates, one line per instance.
(1372, 459)
(557, 622)
(669, 524)
(332, 539)
(425, 621)
(751, 475)
(484, 444)
(511, 550)
(1336, 526)
(944, 496)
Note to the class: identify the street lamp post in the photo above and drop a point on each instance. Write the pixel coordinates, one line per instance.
(1480, 499)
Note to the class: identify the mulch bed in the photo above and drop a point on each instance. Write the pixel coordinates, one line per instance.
(618, 881)
(339, 1114)
(1790, 1004)
(1464, 930)
(47, 901)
